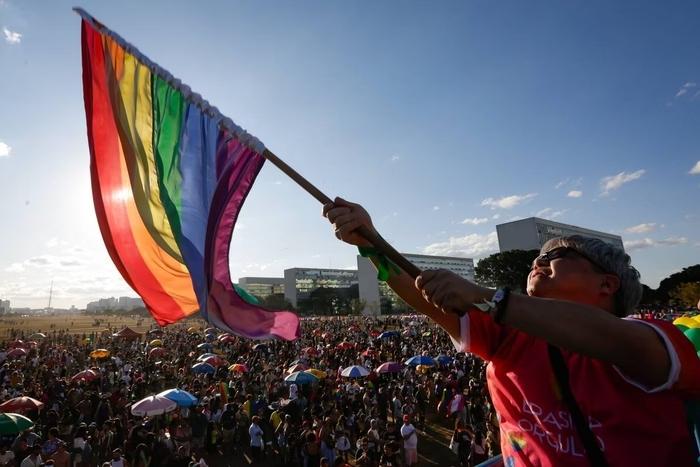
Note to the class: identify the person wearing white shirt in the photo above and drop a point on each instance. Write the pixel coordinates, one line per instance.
(410, 441)
(256, 438)
(34, 458)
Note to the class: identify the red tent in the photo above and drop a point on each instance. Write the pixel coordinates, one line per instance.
(127, 333)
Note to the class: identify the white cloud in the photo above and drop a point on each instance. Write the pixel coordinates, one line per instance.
(685, 88)
(395, 158)
(436, 208)
(52, 242)
(475, 220)
(694, 171)
(613, 182)
(496, 216)
(5, 150)
(468, 246)
(575, 194)
(50, 262)
(641, 228)
(12, 37)
(650, 243)
(15, 267)
(507, 202)
(561, 184)
(549, 213)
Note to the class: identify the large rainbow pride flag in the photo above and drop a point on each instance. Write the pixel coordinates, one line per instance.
(169, 177)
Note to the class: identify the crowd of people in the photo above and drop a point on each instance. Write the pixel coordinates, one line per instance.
(247, 413)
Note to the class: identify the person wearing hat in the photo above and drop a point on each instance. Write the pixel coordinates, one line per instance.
(574, 380)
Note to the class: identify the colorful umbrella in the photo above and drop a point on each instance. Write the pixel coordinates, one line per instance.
(21, 405)
(297, 367)
(12, 423)
(260, 347)
(85, 375)
(238, 368)
(192, 330)
(181, 397)
(16, 353)
(215, 361)
(320, 374)
(389, 367)
(444, 359)
(205, 346)
(354, 371)
(300, 377)
(423, 368)
(228, 339)
(153, 405)
(100, 354)
(204, 356)
(388, 334)
(156, 352)
(420, 360)
(17, 344)
(156, 343)
(38, 335)
(203, 368)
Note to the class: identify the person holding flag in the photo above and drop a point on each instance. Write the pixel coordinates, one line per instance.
(574, 381)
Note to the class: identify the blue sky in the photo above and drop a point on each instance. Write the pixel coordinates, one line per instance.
(442, 118)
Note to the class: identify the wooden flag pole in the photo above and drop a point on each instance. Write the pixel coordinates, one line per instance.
(378, 242)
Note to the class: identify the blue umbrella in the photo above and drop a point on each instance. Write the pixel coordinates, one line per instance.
(181, 397)
(205, 346)
(444, 359)
(204, 356)
(388, 334)
(300, 377)
(203, 368)
(354, 371)
(260, 347)
(420, 360)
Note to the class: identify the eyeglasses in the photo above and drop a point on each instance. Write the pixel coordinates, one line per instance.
(563, 252)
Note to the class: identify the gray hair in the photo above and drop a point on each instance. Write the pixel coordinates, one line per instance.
(613, 260)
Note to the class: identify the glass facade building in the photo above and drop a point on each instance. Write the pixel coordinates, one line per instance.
(300, 282)
(262, 286)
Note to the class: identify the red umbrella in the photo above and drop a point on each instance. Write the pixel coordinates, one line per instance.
(354, 328)
(85, 375)
(369, 353)
(316, 332)
(156, 352)
(326, 335)
(21, 405)
(297, 367)
(345, 345)
(228, 339)
(16, 353)
(17, 343)
(374, 333)
(310, 351)
(215, 361)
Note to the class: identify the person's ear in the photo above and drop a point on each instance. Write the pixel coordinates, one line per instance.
(610, 284)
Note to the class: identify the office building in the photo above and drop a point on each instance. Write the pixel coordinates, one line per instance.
(300, 282)
(533, 232)
(262, 286)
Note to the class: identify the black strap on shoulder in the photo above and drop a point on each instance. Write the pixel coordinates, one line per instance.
(561, 372)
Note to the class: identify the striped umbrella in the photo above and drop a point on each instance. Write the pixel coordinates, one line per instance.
(389, 367)
(355, 371)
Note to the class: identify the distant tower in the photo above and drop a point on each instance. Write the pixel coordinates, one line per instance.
(48, 308)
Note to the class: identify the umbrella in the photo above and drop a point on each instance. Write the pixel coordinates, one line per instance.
(12, 423)
(210, 330)
(300, 377)
(100, 354)
(427, 334)
(309, 351)
(181, 397)
(205, 346)
(297, 367)
(420, 360)
(374, 333)
(238, 368)
(369, 353)
(85, 375)
(153, 405)
(32, 343)
(345, 345)
(355, 371)
(388, 334)
(228, 339)
(423, 368)
(17, 343)
(444, 359)
(192, 329)
(156, 352)
(202, 367)
(38, 335)
(260, 347)
(21, 404)
(155, 332)
(204, 356)
(326, 335)
(156, 343)
(215, 361)
(320, 374)
(16, 352)
(389, 367)
(353, 328)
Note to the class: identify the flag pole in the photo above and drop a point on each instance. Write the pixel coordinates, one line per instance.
(378, 242)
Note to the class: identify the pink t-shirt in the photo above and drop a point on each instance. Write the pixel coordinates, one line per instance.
(634, 425)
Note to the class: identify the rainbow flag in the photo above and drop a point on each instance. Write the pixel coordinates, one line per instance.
(169, 177)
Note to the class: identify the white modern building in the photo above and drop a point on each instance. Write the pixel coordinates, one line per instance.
(262, 286)
(379, 298)
(112, 303)
(533, 232)
(5, 306)
(300, 282)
